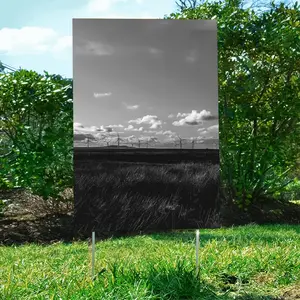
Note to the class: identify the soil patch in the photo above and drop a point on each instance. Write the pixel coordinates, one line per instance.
(27, 218)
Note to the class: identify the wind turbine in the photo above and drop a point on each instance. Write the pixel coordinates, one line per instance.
(179, 142)
(105, 139)
(88, 140)
(130, 140)
(196, 140)
(193, 143)
(215, 145)
(140, 141)
(151, 140)
(118, 140)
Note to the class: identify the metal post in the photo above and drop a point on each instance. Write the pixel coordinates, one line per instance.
(197, 252)
(93, 255)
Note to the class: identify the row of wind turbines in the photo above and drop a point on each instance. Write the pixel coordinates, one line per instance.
(140, 142)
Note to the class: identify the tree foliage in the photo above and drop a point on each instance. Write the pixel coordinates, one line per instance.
(36, 132)
(259, 96)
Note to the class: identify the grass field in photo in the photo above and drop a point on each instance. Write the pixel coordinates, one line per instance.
(128, 193)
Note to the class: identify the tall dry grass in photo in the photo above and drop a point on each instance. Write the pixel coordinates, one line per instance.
(133, 197)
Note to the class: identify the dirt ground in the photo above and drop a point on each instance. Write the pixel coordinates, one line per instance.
(27, 218)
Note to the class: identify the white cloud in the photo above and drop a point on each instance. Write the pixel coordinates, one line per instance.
(182, 115)
(203, 132)
(150, 120)
(78, 125)
(190, 59)
(155, 51)
(101, 95)
(115, 133)
(81, 129)
(201, 129)
(213, 131)
(210, 137)
(107, 129)
(115, 126)
(149, 131)
(63, 43)
(82, 133)
(108, 9)
(171, 116)
(199, 138)
(194, 118)
(192, 56)
(156, 125)
(94, 7)
(167, 132)
(153, 139)
(148, 139)
(32, 40)
(93, 48)
(138, 15)
(131, 128)
(130, 138)
(213, 128)
(83, 136)
(131, 107)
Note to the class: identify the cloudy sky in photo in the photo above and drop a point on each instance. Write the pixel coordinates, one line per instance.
(145, 78)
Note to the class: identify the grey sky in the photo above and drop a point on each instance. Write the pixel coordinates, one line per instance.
(138, 73)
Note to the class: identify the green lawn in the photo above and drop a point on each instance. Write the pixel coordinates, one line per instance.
(250, 262)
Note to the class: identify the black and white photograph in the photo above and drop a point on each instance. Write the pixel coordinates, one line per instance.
(146, 130)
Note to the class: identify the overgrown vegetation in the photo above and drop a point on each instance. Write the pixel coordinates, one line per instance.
(251, 262)
(129, 197)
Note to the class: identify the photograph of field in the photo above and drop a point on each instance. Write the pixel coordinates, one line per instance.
(146, 191)
(157, 167)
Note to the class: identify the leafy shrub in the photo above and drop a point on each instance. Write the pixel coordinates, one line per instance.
(37, 132)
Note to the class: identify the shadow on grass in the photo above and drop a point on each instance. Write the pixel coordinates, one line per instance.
(266, 235)
(166, 282)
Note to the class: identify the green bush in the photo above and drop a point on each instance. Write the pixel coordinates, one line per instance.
(37, 132)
